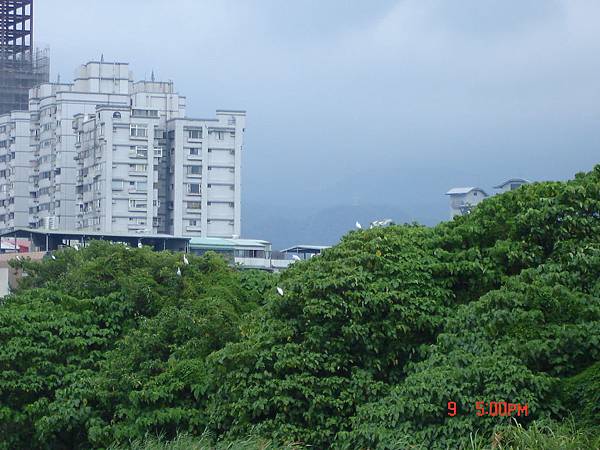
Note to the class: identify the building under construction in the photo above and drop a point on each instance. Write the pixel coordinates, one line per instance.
(22, 66)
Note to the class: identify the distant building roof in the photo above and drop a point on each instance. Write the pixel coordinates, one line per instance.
(75, 234)
(464, 190)
(305, 249)
(512, 180)
(211, 242)
(224, 243)
(249, 242)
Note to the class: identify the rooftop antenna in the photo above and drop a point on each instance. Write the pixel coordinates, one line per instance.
(152, 76)
(58, 79)
(102, 58)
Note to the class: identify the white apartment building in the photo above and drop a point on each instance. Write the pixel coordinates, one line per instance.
(53, 108)
(113, 155)
(14, 169)
(204, 163)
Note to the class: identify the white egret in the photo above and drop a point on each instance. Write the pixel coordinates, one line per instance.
(296, 258)
(280, 291)
(178, 272)
(358, 225)
(185, 260)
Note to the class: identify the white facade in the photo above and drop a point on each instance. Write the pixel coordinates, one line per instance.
(464, 199)
(109, 154)
(14, 170)
(205, 167)
(53, 108)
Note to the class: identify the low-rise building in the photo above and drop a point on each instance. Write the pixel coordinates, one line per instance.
(511, 184)
(463, 199)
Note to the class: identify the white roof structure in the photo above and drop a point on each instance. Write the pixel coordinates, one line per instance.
(207, 242)
(511, 181)
(464, 190)
(306, 249)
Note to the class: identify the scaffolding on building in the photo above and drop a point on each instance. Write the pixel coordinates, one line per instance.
(22, 66)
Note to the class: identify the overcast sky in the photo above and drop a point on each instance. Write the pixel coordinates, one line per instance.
(363, 103)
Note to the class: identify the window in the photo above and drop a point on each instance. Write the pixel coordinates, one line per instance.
(195, 151)
(138, 186)
(220, 135)
(195, 134)
(158, 152)
(138, 167)
(194, 170)
(193, 223)
(139, 131)
(116, 115)
(138, 204)
(138, 151)
(194, 205)
(145, 113)
(193, 188)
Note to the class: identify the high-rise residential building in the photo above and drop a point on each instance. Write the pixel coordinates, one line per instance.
(22, 66)
(112, 155)
(14, 169)
(204, 166)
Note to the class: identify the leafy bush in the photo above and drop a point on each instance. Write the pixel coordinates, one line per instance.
(108, 343)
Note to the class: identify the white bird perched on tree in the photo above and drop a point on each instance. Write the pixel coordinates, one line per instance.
(296, 258)
(53, 257)
(185, 260)
(280, 291)
(358, 225)
(76, 246)
(140, 244)
(178, 272)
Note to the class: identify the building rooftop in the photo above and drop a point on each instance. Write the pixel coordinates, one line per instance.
(306, 248)
(512, 180)
(464, 190)
(24, 232)
(227, 243)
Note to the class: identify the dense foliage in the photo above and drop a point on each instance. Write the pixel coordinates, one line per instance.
(369, 342)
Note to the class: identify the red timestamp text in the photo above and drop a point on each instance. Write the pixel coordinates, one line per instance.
(493, 409)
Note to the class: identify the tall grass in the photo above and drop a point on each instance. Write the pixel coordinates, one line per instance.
(204, 442)
(541, 435)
